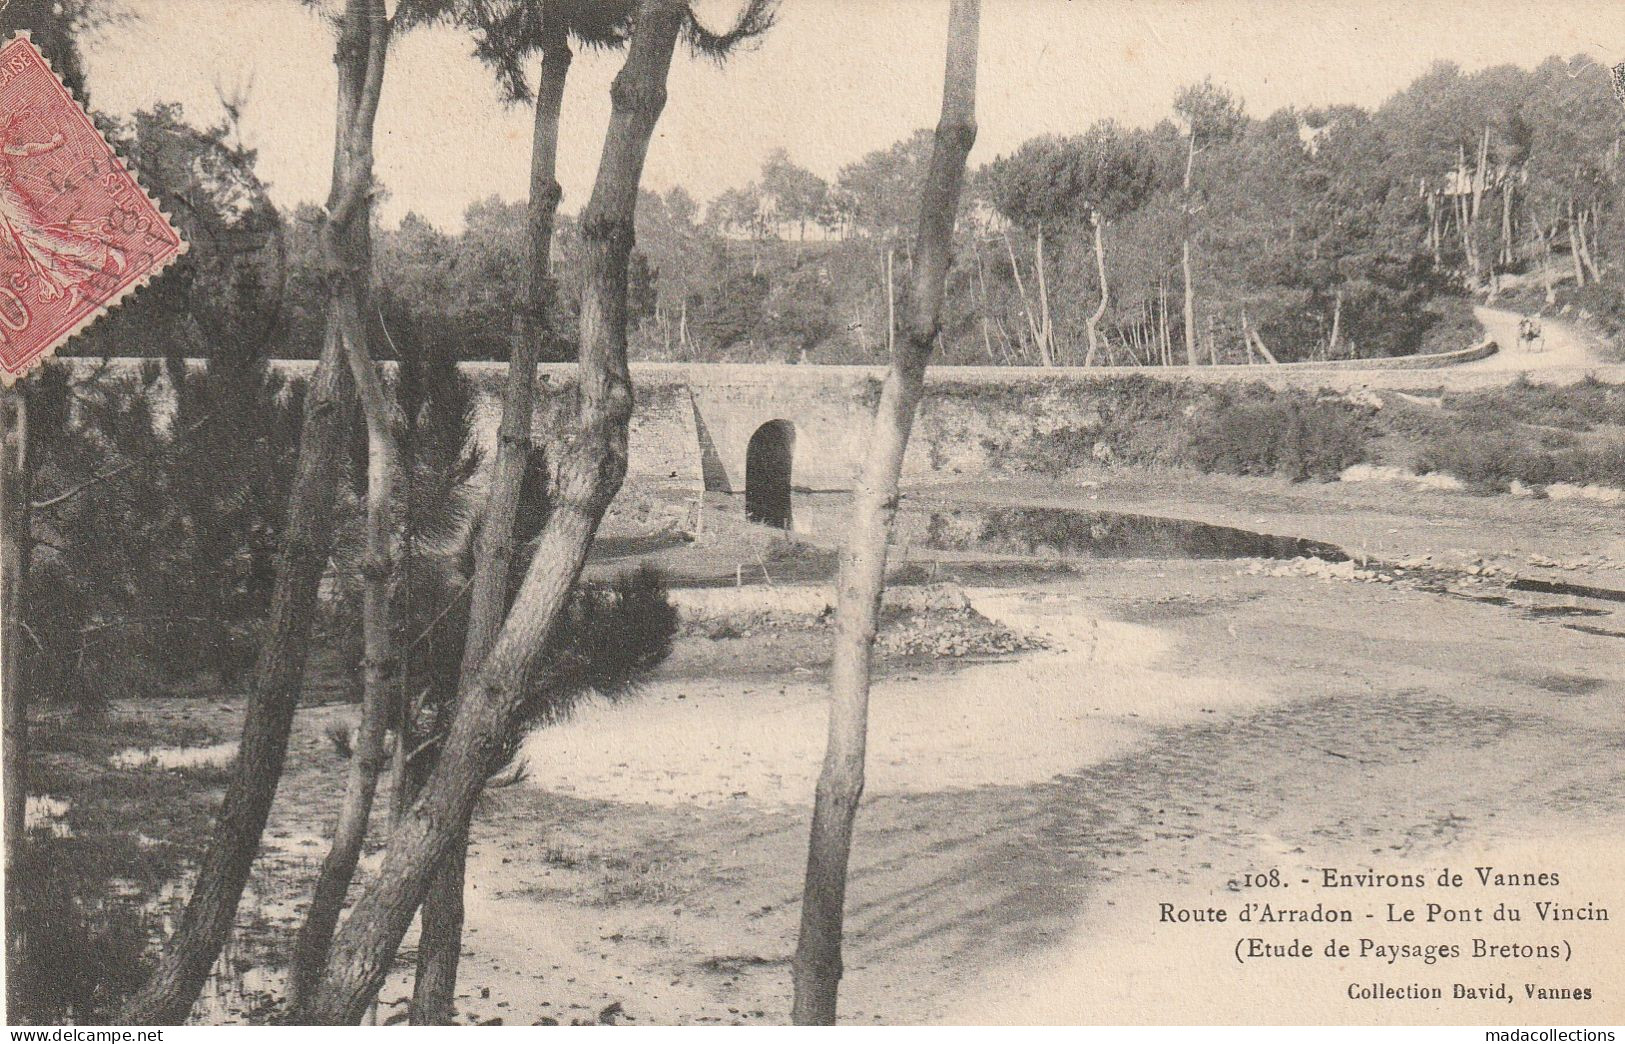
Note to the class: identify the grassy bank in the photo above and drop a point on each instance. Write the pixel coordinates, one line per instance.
(1533, 434)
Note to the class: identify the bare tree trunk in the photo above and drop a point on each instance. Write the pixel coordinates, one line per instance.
(1458, 209)
(204, 925)
(1100, 268)
(1433, 228)
(440, 942)
(891, 303)
(1480, 183)
(1162, 323)
(590, 472)
(1481, 174)
(1506, 221)
(1574, 249)
(173, 986)
(1185, 258)
(1585, 244)
(1046, 328)
(346, 256)
(981, 286)
(1257, 341)
(1032, 323)
(15, 545)
(1263, 349)
(1546, 266)
(1469, 221)
(817, 965)
(1212, 344)
(1337, 325)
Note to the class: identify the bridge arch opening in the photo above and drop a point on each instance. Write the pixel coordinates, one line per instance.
(768, 459)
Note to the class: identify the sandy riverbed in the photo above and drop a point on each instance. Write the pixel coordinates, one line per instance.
(1190, 721)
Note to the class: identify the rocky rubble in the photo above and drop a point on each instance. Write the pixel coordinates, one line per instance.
(1317, 568)
(925, 620)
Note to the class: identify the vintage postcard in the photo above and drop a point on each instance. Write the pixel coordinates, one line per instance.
(827, 512)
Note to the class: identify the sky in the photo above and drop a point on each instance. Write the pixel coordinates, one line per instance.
(833, 80)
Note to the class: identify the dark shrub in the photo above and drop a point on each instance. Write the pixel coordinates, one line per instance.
(76, 952)
(1289, 434)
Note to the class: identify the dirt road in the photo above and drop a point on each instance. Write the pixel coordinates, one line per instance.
(1561, 347)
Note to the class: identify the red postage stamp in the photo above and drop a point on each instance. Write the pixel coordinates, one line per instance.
(77, 232)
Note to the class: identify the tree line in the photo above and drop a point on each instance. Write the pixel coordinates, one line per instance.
(1211, 237)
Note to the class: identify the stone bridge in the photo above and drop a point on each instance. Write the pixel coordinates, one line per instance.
(763, 431)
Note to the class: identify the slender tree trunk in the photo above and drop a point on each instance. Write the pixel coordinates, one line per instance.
(1460, 212)
(590, 472)
(1337, 325)
(981, 286)
(891, 303)
(1574, 249)
(1032, 323)
(1263, 349)
(1433, 229)
(1546, 266)
(1506, 221)
(1212, 343)
(1480, 183)
(817, 965)
(1469, 222)
(1585, 244)
(1162, 324)
(204, 925)
(15, 544)
(1046, 329)
(1100, 268)
(440, 942)
(1481, 174)
(1185, 258)
(346, 256)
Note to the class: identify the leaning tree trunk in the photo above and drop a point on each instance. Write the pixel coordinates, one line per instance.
(590, 473)
(1039, 344)
(206, 922)
(172, 989)
(817, 966)
(440, 941)
(1337, 326)
(346, 258)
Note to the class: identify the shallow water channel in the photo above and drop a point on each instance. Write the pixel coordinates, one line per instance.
(1047, 532)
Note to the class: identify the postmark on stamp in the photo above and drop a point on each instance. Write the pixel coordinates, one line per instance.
(77, 232)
